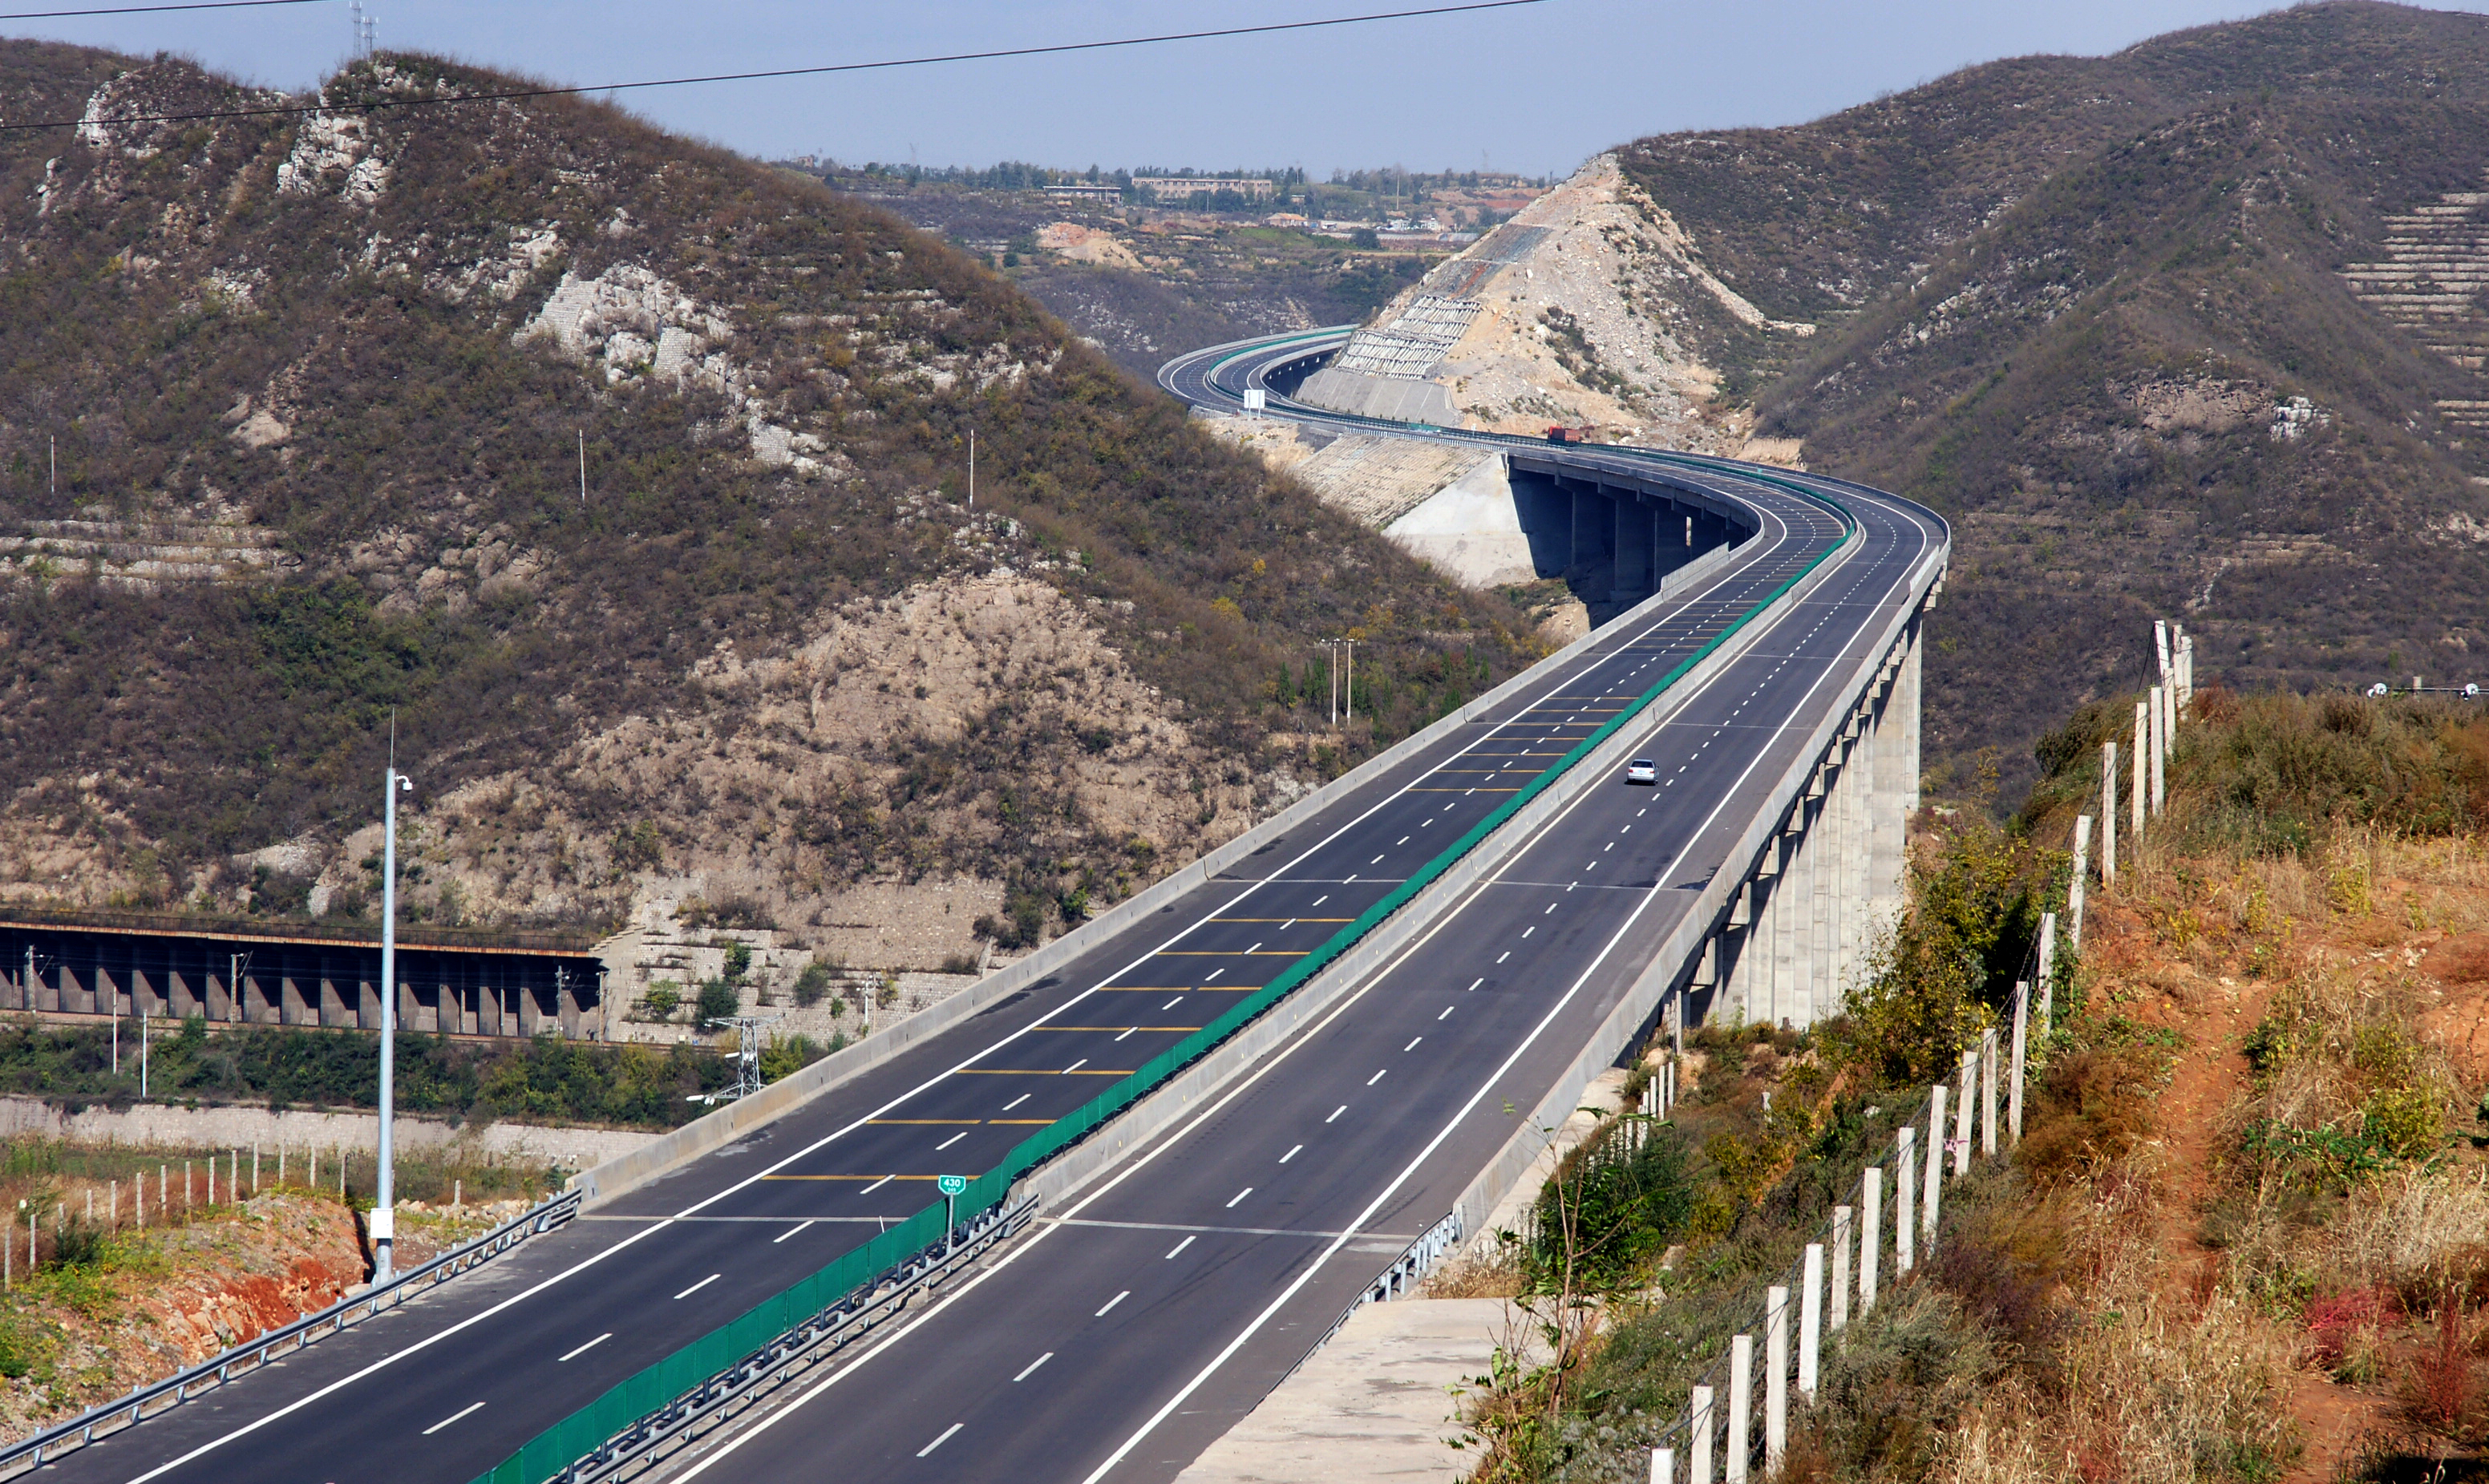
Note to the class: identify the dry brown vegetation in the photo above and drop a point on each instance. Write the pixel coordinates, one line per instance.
(2069, 301)
(2245, 1235)
(107, 1304)
(378, 339)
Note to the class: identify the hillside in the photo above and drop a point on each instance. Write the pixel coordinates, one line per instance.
(630, 476)
(2245, 1234)
(2192, 330)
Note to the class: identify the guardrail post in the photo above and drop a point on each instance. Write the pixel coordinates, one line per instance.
(1698, 1449)
(1839, 1316)
(1809, 1322)
(1906, 1168)
(1741, 1407)
(1870, 1233)
(1775, 1359)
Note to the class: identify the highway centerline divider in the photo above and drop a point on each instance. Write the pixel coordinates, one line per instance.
(845, 1278)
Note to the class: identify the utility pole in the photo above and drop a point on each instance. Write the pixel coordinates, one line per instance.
(1351, 687)
(583, 465)
(384, 1218)
(972, 469)
(56, 464)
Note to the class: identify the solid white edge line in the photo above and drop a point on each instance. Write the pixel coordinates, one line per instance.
(452, 1417)
(255, 1424)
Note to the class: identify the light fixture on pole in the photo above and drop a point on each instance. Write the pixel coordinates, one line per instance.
(384, 1217)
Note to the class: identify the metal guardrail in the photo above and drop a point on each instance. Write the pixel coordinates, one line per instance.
(735, 1391)
(1393, 1281)
(143, 1403)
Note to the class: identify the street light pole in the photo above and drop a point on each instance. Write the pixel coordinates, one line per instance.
(383, 1220)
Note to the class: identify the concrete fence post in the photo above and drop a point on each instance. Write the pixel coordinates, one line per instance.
(1741, 1407)
(2161, 647)
(2021, 1033)
(2159, 703)
(2075, 888)
(1663, 1465)
(2137, 791)
(2048, 972)
(1699, 1444)
(1870, 1232)
(2108, 814)
(1905, 1176)
(1963, 1103)
(1809, 1322)
(1839, 1314)
(1932, 1183)
(1988, 1093)
(1776, 1376)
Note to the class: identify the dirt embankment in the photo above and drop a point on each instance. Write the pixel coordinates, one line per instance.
(2301, 1241)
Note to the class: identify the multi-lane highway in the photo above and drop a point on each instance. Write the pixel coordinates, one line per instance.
(1137, 1322)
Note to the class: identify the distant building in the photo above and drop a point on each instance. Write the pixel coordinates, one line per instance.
(1252, 187)
(1108, 193)
(1284, 219)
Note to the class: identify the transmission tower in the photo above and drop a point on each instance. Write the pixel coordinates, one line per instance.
(366, 25)
(746, 1050)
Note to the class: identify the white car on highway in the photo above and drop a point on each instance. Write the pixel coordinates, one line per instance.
(1642, 770)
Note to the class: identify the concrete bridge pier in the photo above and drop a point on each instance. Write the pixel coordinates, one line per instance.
(1801, 930)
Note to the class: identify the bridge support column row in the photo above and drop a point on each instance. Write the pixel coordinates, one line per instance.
(1798, 935)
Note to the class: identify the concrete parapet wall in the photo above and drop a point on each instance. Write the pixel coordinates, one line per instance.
(156, 1125)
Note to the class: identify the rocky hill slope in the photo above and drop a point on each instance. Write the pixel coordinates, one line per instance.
(2194, 329)
(629, 477)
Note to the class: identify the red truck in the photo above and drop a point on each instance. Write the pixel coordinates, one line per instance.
(1584, 434)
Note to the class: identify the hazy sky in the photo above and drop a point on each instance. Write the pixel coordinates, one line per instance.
(1537, 88)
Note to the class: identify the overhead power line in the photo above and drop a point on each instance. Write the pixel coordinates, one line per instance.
(148, 10)
(375, 106)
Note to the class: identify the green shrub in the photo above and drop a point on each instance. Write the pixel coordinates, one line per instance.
(719, 1000)
(813, 984)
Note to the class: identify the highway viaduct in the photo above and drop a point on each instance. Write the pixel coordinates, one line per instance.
(1495, 915)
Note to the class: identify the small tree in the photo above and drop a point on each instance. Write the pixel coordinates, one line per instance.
(719, 1000)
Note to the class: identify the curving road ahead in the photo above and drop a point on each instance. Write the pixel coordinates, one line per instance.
(1138, 1321)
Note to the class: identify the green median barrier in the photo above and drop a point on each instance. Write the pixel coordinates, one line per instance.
(652, 1388)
